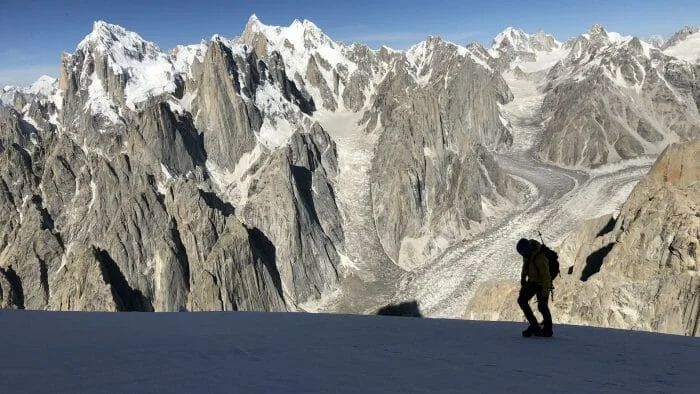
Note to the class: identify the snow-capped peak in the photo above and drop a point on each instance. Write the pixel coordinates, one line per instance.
(545, 39)
(597, 30)
(306, 25)
(599, 35)
(684, 45)
(516, 40)
(299, 36)
(44, 85)
(254, 25)
(147, 70)
(421, 54)
(680, 35)
(511, 37)
(297, 43)
(655, 40)
(253, 18)
(118, 41)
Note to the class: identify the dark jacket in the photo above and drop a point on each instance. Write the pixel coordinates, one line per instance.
(536, 267)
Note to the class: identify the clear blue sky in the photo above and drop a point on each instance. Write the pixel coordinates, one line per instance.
(34, 33)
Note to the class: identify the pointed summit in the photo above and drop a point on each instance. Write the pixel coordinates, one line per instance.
(119, 42)
(515, 39)
(597, 29)
(254, 25)
(308, 25)
(44, 85)
(100, 26)
(105, 32)
(255, 35)
(118, 52)
(300, 35)
(599, 36)
(311, 34)
(511, 36)
(543, 41)
(598, 33)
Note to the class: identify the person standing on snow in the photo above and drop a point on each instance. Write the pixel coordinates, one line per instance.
(535, 280)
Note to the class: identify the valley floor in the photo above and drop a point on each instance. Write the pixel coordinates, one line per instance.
(277, 352)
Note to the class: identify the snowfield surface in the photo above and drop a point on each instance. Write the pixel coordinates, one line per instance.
(688, 49)
(47, 352)
(545, 60)
(44, 85)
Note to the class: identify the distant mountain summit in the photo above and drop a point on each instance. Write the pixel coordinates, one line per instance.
(516, 40)
(684, 44)
(513, 46)
(681, 35)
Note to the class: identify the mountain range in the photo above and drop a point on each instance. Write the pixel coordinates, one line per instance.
(274, 170)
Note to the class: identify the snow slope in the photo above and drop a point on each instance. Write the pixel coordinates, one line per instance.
(149, 72)
(285, 353)
(688, 49)
(44, 85)
(545, 60)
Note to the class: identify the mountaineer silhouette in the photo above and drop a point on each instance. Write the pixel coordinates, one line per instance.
(535, 280)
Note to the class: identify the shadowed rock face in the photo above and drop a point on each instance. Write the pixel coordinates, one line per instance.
(87, 231)
(117, 211)
(646, 260)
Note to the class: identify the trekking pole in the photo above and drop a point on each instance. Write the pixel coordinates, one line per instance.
(540, 234)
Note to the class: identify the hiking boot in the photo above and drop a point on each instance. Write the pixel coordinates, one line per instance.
(546, 332)
(532, 330)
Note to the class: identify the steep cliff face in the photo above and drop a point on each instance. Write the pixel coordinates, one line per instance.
(228, 122)
(87, 231)
(434, 113)
(637, 271)
(432, 169)
(116, 203)
(202, 179)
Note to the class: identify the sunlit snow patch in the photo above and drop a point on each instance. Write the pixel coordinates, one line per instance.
(688, 49)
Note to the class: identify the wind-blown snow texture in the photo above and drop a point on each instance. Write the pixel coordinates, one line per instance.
(251, 353)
